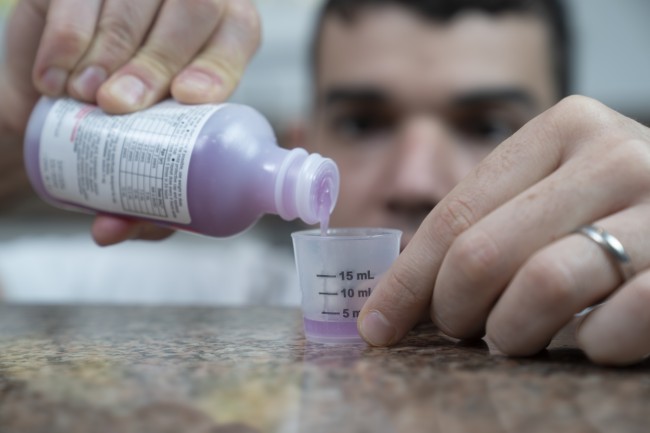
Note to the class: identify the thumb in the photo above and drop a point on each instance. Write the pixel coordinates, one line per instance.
(404, 293)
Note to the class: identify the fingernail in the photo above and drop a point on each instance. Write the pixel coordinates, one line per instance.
(376, 329)
(53, 80)
(87, 83)
(199, 83)
(129, 90)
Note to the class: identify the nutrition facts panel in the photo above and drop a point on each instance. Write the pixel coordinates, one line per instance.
(134, 164)
(152, 164)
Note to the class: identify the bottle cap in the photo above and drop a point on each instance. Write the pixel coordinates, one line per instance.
(305, 184)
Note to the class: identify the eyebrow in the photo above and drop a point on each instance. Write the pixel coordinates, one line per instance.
(354, 94)
(469, 98)
(494, 96)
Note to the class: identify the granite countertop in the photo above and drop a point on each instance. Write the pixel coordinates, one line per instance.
(209, 370)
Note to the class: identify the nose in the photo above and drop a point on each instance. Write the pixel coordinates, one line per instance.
(424, 162)
(422, 172)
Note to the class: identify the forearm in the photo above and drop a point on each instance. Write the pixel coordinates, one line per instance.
(14, 185)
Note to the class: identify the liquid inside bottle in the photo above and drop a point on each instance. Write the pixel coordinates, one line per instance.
(210, 169)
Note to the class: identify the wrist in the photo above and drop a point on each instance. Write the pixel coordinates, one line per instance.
(14, 185)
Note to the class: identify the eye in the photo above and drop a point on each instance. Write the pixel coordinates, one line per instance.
(485, 129)
(362, 126)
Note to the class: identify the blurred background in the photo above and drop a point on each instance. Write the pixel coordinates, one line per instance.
(48, 256)
(612, 56)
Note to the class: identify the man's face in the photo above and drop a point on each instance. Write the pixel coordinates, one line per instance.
(407, 107)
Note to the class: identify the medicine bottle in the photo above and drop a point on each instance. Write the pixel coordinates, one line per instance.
(212, 169)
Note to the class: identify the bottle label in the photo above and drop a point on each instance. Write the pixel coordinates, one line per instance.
(134, 164)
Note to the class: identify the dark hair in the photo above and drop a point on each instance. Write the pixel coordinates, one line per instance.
(551, 11)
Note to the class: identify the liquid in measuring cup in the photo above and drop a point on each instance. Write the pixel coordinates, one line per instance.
(337, 274)
(342, 298)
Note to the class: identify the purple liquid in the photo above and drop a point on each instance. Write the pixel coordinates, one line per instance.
(331, 332)
(231, 177)
(324, 207)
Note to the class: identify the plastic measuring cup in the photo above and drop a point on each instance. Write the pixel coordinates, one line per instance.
(337, 273)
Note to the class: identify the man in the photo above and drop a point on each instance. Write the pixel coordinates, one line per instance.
(412, 99)
(412, 102)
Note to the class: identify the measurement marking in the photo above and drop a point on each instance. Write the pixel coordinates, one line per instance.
(364, 276)
(328, 293)
(325, 276)
(331, 313)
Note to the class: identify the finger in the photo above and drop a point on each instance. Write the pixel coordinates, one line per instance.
(121, 28)
(530, 155)
(179, 33)
(109, 230)
(407, 287)
(561, 280)
(214, 74)
(484, 259)
(65, 38)
(617, 333)
(401, 297)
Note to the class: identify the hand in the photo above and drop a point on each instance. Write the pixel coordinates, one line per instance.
(497, 255)
(125, 55)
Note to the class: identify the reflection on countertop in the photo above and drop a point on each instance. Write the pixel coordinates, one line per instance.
(191, 369)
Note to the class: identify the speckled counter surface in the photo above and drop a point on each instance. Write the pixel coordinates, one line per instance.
(200, 370)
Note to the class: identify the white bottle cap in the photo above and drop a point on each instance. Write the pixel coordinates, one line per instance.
(304, 183)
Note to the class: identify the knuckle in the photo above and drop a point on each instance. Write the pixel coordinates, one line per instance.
(244, 14)
(455, 217)
(117, 36)
(579, 115)
(403, 289)
(227, 69)
(211, 11)
(578, 102)
(446, 316)
(70, 40)
(230, 72)
(548, 283)
(634, 155)
(162, 63)
(212, 8)
(476, 256)
(583, 106)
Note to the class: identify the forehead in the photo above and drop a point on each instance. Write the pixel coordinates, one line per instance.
(414, 58)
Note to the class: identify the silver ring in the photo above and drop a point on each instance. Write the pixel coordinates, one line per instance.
(613, 247)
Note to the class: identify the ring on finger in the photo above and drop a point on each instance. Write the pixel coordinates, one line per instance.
(614, 249)
(612, 246)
